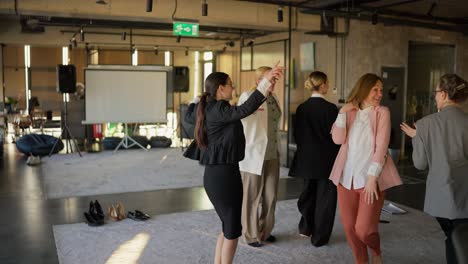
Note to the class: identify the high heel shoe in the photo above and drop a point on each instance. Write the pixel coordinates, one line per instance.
(99, 211)
(112, 213)
(120, 211)
(90, 220)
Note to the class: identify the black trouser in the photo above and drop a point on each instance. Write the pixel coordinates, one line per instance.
(317, 205)
(448, 226)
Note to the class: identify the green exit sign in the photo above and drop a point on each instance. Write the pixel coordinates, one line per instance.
(185, 29)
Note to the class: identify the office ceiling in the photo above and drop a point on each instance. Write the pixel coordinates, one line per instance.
(451, 11)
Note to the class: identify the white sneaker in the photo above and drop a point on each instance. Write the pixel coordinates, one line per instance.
(33, 160)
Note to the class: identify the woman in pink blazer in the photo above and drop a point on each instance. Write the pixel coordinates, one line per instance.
(363, 170)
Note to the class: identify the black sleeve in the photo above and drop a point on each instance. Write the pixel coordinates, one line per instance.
(332, 114)
(227, 113)
(298, 125)
(191, 114)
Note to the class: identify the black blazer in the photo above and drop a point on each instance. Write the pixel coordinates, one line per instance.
(226, 140)
(316, 151)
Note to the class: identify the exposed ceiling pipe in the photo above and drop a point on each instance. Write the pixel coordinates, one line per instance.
(399, 3)
(390, 21)
(147, 35)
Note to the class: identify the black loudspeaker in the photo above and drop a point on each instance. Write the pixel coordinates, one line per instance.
(181, 79)
(66, 78)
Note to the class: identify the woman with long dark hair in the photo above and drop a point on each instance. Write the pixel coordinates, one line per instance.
(219, 145)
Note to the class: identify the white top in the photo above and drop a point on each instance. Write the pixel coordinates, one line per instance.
(359, 163)
(317, 95)
(263, 86)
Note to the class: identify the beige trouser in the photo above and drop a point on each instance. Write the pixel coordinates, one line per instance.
(259, 202)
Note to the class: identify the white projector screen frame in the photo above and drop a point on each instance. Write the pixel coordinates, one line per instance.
(126, 94)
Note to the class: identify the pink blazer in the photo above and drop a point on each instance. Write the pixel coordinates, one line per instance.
(380, 124)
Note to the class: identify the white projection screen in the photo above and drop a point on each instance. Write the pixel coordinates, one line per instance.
(122, 94)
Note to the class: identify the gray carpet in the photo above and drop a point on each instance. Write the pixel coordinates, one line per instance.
(120, 172)
(190, 238)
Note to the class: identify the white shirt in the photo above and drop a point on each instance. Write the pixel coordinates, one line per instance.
(317, 95)
(359, 163)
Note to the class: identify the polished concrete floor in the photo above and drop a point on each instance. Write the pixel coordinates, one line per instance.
(26, 224)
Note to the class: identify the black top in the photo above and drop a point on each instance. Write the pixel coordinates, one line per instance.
(226, 140)
(316, 151)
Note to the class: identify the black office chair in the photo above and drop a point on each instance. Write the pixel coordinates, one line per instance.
(460, 242)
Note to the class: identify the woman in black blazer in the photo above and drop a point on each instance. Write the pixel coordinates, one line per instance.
(314, 160)
(220, 145)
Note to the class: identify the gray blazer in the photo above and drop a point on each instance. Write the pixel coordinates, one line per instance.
(441, 142)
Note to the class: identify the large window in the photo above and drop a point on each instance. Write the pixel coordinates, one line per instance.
(208, 64)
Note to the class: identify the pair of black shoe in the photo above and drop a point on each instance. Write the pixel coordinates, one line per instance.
(95, 214)
(138, 216)
(270, 239)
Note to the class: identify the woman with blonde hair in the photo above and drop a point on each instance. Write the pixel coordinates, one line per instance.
(363, 170)
(313, 161)
(260, 167)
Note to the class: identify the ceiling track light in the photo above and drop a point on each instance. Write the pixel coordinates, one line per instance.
(149, 5)
(156, 50)
(204, 8)
(82, 34)
(124, 35)
(280, 14)
(186, 51)
(178, 39)
(75, 44)
(324, 19)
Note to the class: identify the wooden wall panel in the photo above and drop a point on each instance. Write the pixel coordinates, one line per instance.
(149, 58)
(114, 57)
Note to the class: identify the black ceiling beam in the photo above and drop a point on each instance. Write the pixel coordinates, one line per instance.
(353, 4)
(147, 35)
(415, 16)
(399, 14)
(78, 22)
(389, 21)
(276, 2)
(398, 3)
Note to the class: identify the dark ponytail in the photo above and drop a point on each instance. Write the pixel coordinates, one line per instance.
(212, 82)
(200, 132)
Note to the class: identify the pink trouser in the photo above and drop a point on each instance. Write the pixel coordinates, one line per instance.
(360, 222)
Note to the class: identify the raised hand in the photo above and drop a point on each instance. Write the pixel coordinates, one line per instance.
(409, 131)
(275, 73)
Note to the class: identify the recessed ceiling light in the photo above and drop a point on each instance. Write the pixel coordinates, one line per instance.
(101, 2)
